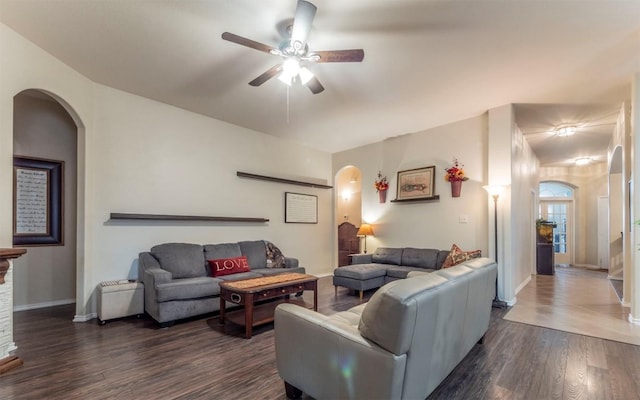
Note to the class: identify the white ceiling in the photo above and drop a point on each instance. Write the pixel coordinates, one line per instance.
(427, 63)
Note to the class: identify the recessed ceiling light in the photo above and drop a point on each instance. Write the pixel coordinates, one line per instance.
(583, 160)
(566, 131)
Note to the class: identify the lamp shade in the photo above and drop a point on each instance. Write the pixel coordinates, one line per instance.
(365, 230)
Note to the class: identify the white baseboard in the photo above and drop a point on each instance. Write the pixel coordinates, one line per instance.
(634, 321)
(523, 284)
(43, 305)
(512, 302)
(84, 318)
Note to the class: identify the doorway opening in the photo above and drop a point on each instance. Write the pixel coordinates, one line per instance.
(348, 212)
(557, 206)
(44, 129)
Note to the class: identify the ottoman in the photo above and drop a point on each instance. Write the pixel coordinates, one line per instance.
(117, 300)
(359, 277)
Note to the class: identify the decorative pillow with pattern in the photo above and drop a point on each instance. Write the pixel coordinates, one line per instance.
(275, 258)
(457, 256)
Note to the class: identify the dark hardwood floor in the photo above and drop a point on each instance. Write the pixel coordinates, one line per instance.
(133, 359)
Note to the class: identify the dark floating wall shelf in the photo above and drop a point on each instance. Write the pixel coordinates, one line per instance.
(161, 217)
(436, 197)
(281, 180)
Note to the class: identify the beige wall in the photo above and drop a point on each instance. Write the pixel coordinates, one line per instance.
(47, 274)
(431, 224)
(137, 155)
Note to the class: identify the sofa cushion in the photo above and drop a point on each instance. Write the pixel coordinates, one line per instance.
(361, 271)
(276, 271)
(239, 276)
(387, 255)
(183, 260)
(424, 258)
(457, 256)
(389, 317)
(401, 271)
(228, 266)
(256, 253)
(442, 256)
(187, 289)
(221, 250)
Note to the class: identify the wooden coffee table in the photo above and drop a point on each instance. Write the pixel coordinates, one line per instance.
(249, 291)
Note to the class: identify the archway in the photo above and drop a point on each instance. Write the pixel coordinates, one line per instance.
(348, 190)
(45, 126)
(616, 221)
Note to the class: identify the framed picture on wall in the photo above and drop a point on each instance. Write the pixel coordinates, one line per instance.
(37, 201)
(416, 183)
(300, 208)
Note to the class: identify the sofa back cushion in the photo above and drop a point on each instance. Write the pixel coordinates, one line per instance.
(389, 318)
(183, 260)
(220, 251)
(256, 253)
(442, 256)
(387, 255)
(423, 258)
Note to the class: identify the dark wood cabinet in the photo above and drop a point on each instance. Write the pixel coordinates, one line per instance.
(348, 242)
(544, 259)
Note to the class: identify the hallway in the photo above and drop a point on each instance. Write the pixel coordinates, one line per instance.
(576, 300)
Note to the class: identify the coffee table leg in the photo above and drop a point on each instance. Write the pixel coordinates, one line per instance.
(248, 315)
(222, 304)
(315, 296)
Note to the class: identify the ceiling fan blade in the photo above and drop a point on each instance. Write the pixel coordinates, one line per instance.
(270, 73)
(315, 86)
(353, 55)
(231, 37)
(305, 12)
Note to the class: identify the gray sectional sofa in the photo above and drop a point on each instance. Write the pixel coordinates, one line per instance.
(400, 345)
(177, 277)
(386, 264)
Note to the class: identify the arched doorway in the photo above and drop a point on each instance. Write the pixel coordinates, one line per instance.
(45, 127)
(348, 211)
(616, 205)
(557, 206)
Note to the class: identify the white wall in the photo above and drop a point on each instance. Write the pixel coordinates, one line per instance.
(47, 274)
(430, 224)
(138, 155)
(524, 191)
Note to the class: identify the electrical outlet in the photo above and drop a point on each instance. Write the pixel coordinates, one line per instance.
(463, 219)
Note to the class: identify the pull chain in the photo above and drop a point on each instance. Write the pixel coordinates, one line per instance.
(287, 105)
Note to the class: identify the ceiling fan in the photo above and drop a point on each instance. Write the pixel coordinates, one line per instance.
(295, 52)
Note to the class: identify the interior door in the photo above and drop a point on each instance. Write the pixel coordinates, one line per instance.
(560, 212)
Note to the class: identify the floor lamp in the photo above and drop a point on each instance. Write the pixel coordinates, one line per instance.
(495, 191)
(365, 230)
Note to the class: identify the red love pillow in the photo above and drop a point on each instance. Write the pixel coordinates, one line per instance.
(228, 266)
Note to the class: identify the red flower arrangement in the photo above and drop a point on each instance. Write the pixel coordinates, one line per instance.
(381, 183)
(455, 173)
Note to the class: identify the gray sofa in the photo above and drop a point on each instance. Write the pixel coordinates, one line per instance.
(386, 264)
(400, 345)
(177, 277)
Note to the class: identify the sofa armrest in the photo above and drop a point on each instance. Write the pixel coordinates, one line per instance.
(150, 272)
(361, 259)
(326, 358)
(290, 262)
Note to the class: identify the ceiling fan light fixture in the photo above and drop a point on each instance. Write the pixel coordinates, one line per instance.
(305, 75)
(566, 131)
(583, 161)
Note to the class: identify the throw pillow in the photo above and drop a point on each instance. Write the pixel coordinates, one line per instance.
(228, 266)
(275, 258)
(457, 256)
